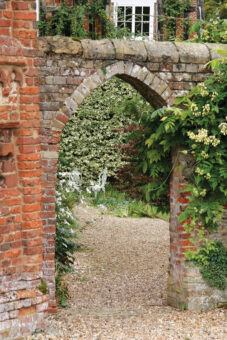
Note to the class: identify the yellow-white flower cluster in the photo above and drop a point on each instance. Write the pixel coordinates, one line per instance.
(223, 127)
(195, 110)
(203, 90)
(214, 95)
(208, 176)
(202, 137)
(206, 110)
(201, 172)
(197, 193)
(204, 154)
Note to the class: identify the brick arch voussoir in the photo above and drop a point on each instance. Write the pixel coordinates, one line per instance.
(152, 87)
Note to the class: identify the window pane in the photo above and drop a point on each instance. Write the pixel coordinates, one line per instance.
(128, 13)
(146, 13)
(138, 29)
(138, 12)
(146, 29)
(129, 26)
(120, 13)
(120, 24)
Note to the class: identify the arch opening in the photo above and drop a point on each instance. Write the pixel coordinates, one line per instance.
(152, 87)
(82, 134)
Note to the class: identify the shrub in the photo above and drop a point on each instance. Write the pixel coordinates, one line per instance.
(92, 138)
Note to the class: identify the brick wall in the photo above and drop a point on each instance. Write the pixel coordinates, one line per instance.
(22, 305)
(160, 71)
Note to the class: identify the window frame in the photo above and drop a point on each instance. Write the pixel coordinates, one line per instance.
(134, 4)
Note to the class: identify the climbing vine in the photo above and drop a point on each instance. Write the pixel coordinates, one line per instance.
(172, 11)
(214, 31)
(92, 137)
(197, 123)
(87, 19)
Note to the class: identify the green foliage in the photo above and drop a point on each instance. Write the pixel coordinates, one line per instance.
(120, 204)
(198, 124)
(72, 21)
(153, 162)
(215, 9)
(212, 260)
(65, 20)
(214, 31)
(43, 288)
(66, 227)
(67, 191)
(62, 294)
(172, 11)
(91, 139)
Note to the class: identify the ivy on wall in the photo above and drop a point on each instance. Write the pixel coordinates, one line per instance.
(214, 31)
(87, 19)
(197, 123)
(171, 18)
(215, 9)
(92, 138)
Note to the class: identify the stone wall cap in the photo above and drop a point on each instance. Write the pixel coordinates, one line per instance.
(215, 54)
(192, 53)
(136, 50)
(130, 50)
(60, 45)
(98, 49)
(161, 51)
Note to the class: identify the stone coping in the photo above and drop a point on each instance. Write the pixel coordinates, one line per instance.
(151, 51)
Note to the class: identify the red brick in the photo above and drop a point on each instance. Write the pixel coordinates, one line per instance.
(13, 253)
(26, 165)
(7, 14)
(5, 23)
(20, 5)
(26, 311)
(31, 207)
(33, 251)
(34, 173)
(26, 293)
(6, 149)
(12, 201)
(25, 34)
(10, 180)
(31, 225)
(29, 90)
(25, 16)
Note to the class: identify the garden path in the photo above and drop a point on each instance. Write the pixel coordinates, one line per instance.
(118, 286)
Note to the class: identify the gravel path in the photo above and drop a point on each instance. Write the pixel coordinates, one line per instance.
(118, 286)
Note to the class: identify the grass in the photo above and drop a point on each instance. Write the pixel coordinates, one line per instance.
(120, 204)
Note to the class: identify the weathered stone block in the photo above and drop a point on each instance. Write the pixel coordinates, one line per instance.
(159, 52)
(98, 49)
(130, 50)
(192, 53)
(60, 45)
(213, 50)
(191, 68)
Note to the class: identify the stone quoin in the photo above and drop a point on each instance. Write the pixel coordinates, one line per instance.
(42, 82)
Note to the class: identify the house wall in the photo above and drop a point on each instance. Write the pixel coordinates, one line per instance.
(22, 305)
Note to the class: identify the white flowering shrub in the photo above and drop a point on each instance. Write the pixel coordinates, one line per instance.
(67, 191)
(92, 138)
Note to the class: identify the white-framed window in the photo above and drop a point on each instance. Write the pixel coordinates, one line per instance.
(137, 16)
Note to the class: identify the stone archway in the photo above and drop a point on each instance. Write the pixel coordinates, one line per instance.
(157, 92)
(71, 70)
(154, 89)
